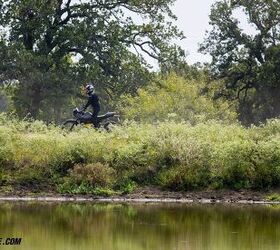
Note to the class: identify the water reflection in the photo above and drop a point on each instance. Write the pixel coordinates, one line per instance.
(146, 226)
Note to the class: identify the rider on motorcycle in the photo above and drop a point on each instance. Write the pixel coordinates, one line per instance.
(93, 100)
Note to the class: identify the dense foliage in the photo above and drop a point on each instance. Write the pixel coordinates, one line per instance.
(175, 156)
(175, 98)
(244, 43)
(180, 131)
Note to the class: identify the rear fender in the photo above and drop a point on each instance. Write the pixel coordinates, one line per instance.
(110, 114)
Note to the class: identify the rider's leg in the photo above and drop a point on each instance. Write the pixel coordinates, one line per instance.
(94, 118)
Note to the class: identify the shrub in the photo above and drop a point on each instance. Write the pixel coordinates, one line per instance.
(174, 98)
(126, 186)
(30, 176)
(95, 175)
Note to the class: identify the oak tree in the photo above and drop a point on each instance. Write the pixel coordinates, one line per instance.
(49, 47)
(244, 43)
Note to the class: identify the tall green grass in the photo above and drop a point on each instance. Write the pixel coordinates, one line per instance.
(175, 156)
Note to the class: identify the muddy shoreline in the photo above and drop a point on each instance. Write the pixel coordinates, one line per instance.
(133, 200)
(154, 195)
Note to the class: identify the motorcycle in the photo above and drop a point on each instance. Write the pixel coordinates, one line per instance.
(103, 121)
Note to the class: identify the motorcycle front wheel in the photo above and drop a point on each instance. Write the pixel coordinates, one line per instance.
(69, 124)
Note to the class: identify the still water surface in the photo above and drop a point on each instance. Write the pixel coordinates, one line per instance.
(139, 226)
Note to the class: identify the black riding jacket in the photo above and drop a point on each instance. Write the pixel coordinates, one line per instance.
(93, 100)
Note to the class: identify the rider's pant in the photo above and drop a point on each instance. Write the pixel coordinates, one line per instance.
(94, 118)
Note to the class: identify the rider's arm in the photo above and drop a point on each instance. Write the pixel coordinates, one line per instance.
(86, 106)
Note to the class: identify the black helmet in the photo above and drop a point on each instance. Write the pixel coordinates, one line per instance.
(89, 88)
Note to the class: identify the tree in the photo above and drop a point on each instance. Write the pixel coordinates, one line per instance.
(50, 46)
(248, 62)
(3, 102)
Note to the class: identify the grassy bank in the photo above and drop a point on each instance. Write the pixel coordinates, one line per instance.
(175, 156)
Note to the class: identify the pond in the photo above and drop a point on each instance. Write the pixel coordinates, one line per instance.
(51, 225)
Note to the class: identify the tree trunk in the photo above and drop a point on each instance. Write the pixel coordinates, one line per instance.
(36, 99)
